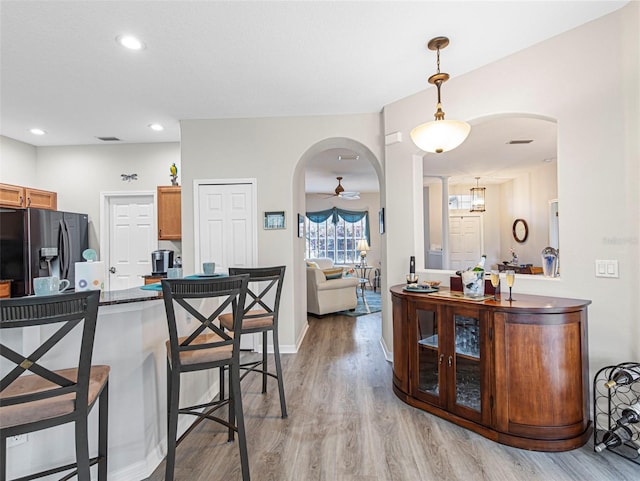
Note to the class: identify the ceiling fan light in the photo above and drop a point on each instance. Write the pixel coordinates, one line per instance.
(440, 136)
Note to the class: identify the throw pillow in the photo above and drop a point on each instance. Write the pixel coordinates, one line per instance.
(313, 264)
(335, 273)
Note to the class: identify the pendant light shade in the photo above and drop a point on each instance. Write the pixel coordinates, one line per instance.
(477, 198)
(439, 135)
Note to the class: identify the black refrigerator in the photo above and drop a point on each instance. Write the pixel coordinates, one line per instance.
(38, 243)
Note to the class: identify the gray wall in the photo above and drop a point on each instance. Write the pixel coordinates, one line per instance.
(18, 163)
(598, 165)
(274, 151)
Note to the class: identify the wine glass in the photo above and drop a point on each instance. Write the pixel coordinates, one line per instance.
(511, 278)
(495, 282)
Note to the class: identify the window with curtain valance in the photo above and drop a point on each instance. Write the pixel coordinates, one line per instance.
(334, 233)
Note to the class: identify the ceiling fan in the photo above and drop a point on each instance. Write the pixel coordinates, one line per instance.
(343, 194)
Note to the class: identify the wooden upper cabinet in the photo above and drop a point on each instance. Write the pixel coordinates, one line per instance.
(12, 196)
(41, 199)
(169, 213)
(22, 197)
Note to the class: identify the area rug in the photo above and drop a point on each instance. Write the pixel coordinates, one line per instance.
(372, 303)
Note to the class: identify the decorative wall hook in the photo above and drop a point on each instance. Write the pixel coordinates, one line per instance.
(129, 177)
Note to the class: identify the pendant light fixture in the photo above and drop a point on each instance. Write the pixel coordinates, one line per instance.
(439, 135)
(477, 198)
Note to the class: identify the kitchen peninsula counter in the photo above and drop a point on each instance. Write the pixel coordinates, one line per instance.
(126, 296)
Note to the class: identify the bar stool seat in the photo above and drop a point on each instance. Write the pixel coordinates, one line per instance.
(210, 354)
(32, 412)
(251, 320)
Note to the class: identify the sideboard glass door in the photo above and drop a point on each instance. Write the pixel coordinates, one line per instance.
(429, 351)
(467, 363)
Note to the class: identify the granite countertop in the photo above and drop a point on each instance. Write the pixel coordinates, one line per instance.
(125, 296)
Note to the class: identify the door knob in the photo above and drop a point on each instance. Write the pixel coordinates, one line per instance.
(112, 270)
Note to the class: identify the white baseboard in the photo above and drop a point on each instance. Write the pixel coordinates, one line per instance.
(301, 337)
(388, 355)
(287, 348)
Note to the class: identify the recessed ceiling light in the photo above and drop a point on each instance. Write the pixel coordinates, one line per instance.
(37, 131)
(130, 42)
(156, 127)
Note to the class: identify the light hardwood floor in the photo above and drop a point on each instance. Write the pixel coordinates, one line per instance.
(345, 424)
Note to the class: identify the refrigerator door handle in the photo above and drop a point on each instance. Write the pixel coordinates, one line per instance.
(65, 254)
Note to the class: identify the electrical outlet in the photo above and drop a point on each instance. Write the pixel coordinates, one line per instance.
(17, 440)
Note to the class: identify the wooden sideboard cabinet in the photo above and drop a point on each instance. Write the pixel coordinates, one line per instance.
(23, 197)
(169, 212)
(516, 373)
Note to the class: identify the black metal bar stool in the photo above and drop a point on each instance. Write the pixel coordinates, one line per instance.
(44, 397)
(206, 347)
(260, 314)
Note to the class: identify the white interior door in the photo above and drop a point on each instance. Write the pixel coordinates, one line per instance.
(465, 242)
(226, 234)
(227, 223)
(131, 235)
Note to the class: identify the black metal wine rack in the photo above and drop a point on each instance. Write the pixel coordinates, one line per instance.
(608, 404)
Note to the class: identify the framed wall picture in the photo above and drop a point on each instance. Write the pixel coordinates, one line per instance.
(300, 225)
(381, 219)
(274, 220)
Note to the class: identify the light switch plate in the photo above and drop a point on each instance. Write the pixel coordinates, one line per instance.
(607, 268)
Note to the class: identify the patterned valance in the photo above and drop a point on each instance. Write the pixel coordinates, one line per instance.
(347, 215)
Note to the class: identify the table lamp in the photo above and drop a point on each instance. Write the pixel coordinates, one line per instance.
(363, 247)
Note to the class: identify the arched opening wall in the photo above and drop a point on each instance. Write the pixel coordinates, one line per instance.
(299, 199)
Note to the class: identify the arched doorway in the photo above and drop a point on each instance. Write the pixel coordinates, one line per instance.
(330, 146)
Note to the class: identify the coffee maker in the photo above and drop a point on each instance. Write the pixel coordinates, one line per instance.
(161, 260)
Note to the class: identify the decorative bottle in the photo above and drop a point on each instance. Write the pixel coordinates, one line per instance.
(480, 265)
(614, 438)
(630, 415)
(549, 257)
(411, 277)
(622, 377)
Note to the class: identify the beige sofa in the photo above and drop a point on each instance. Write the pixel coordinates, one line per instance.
(325, 296)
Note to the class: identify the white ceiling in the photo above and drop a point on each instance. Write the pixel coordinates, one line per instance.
(62, 71)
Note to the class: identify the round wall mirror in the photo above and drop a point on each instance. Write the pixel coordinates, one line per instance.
(520, 230)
